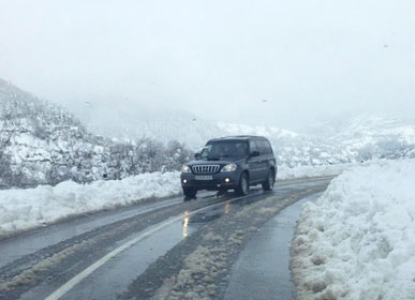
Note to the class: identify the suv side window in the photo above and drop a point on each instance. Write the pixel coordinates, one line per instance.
(253, 146)
(263, 147)
(267, 147)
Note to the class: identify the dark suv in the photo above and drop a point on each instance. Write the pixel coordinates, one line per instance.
(235, 162)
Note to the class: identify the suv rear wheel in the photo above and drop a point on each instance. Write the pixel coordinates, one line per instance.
(243, 186)
(268, 184)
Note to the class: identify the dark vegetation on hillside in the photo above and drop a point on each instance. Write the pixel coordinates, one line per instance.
(41, 143)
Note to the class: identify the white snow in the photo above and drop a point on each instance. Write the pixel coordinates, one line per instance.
(357, 241)
(30, 208)
(22, 209)
(286, 173)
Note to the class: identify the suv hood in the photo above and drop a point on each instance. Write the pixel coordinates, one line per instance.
(213, 162)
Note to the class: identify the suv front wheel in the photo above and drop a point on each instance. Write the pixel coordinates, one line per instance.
(243, 186)
(268, 184)
(189, 192)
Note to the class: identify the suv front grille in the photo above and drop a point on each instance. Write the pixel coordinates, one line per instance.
(205, 169)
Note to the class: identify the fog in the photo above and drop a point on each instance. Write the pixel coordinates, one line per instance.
(285, 63)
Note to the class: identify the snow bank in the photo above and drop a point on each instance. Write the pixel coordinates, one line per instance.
(358, 240)
(285, 173)
(30, 208)
(24, 209)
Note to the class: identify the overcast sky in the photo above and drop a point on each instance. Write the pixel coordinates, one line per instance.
(309, 59)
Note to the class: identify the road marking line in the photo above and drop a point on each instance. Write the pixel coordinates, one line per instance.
(88, 271)
(99, 263)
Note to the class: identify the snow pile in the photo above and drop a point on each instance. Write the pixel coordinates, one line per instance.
(358, 240)
(30, 208)
(24, 209)
(285, 173)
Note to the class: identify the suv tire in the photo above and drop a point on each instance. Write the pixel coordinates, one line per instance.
(243, 185)
(268, 184)
(189, 193)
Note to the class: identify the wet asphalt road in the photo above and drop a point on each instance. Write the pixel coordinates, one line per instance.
(262, 271)
(37, 264)
(32, 241)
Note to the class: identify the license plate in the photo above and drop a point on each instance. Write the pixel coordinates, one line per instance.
(198, 177)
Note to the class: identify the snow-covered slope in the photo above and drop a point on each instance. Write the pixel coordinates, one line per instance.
(41, 143)
(351, 139)
(358, 240)
(163, 124)
(359, 138)
(372, 136)
(293, 149)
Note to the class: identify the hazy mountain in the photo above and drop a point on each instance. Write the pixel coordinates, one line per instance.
(292, 149)
(41, 143)
(372, 136)
(123, 123)
(351, 139)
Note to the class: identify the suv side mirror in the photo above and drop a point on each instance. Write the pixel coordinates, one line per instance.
(197, 155)
(254, 153)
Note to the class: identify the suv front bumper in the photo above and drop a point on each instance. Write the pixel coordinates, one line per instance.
(226, 180)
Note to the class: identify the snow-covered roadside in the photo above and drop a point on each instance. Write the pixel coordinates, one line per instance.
(358, 240)
(31, 208)
(285, 173)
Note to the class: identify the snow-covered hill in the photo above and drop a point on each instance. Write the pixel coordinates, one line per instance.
(130, 121)
(41, 143)
(358, 138)
(372, 136)
(292, 149)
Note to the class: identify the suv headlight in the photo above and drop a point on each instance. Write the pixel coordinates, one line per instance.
(229, 168)
(186, 169)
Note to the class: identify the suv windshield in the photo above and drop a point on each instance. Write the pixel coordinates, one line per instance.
(231, 150)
